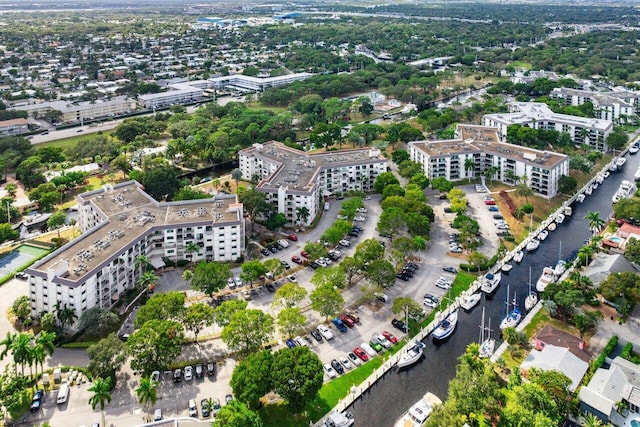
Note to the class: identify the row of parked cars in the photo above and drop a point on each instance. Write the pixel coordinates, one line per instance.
(407, 271)
(188, 372)
(378, 343)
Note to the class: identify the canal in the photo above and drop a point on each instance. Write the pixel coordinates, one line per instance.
(398, 390)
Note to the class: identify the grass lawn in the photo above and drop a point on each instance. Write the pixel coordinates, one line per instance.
(329, 395)
(521, 64)
(70, 143)
(256, 105)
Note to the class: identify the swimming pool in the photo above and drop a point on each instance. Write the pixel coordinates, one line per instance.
(635, 423)
(619, 240)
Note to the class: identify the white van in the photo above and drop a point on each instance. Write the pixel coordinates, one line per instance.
(193, 409)
(284, 243)
(63, 394)
(157, 415)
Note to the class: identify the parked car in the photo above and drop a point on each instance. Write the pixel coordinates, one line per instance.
(381, 297)
(442, 196)
(340, 325)
(399, 324)
(188, 373)
(361, 354)
(37, 401)
(155, 376)
(216, 406)
(199, 371)
(337, 366)
(331, 373)
(490, 202)
(389, 336)
(326, 333)
(270, 287)
(493, 209)
(279, 245)
(431, 300)
(314, 265)
(301, 342)
(344, 243)
(375, 345)
(177, 375)
(317, 335)
(292, 237)
(211, 369)
(345, 362)
(354, 317)
(273, 249)
(290, 342)
(380, 339)
(296, 259)
(359, 219)
(347, 320)
(265, 252)
(285, 264)
(237, 280)
(450, 269)
(305, 254)
(355, 360)
(157, 415)
(228, 398)
(193, 408)
(292, 278)
(368, 349)
(204, 408)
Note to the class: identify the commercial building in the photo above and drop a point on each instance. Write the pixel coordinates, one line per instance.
(292, 179)
(481, 145)
(119, 223)
(76, 112)
(255, 84)
(14, 127)
(615, 106)
(179, 94)
(537, 115)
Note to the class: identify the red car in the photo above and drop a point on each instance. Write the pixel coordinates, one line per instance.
(390, 337)
(305, 254)
(292, 237)
(296, 259)
(347, 320)
(361, 354)
(354, 317)
(490, 202)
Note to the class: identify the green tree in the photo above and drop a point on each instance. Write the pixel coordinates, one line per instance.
(56, 221)
(623, 289)
(274, 266)
(248, 331)
(255, 205)
(101, 390)
(523, 190)
(316, 250)
(441, 184)
(44, 346)
(156, 343)
(197, 317)
(225, 310)
(65, 315)
(384, 179)
(210, 277)
(164, 306)
(405, 305)
(595, 221)
(291, 321)
(302, 215)
(369, 250)
(351, 266)
(330, 275)
(251, 379)
(147, 280)
(406, 246)
(147, 392)
(98, 321)
(632, 250)
(420, 179)
(289, 295)
(252, 270)
(392, 221)
(106, 357)
(381, 273)
(469, 167)
(236, 414)
(326, 300)
(48, 322)
(276, 221)
(297, 375)
(21, 308)
(567, 184)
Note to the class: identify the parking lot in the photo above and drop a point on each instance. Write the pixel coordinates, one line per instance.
(374, 317)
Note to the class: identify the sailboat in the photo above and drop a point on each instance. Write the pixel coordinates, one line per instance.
(514, 316)
(532, 297)
(487, 344)
(446, 327)
(561, 266)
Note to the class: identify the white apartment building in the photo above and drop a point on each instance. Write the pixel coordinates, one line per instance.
(481, 144)
(181, 93)
(537, 115)
(291, 178)
(120, 223)
(14, 127)
(612, 106)
(76, 112)
(255, 84)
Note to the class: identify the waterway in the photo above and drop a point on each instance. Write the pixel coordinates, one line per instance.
(398, 390)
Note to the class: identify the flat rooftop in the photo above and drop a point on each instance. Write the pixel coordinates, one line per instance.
(129, 213)
(297, 169)
(526, 112)
(472, 139)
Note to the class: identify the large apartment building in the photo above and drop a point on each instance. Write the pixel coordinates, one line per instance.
(292, 178)
(77, 112)
(537, 115)
(119, 223)
(615, 106)
(482, 145)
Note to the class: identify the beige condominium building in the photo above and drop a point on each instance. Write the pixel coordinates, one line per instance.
(292, 179)
(481, 144)
(537, 115)
(121, 222)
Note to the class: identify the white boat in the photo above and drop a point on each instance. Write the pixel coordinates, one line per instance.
(506, 267)
(533, 245)
(446, 327)
(588, 191)
(560, 268)
(543, 235)
(606, 174)
(532, 298)
(412, 356)
(595, 186)
(551, 226)
(468, 301)
(581, 197)
(487, 344)
(620, 162)
(600, 179)
(560, 218)
(338, 419)
(514, 316)
(491, 282)
(568, 211)
(518, 256)
(548, 276)
(418, 414)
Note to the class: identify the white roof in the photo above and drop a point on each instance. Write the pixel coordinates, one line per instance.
(558, 359)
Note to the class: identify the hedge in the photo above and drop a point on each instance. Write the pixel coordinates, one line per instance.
(483, 267)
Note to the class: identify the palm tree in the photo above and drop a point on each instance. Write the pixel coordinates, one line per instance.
(523, 190)
(146, 393)
(511, 176)
(190, 248)
(22, 349)
(101, 390)
(591, 420)
(491, 172)
(469, 165)
(595, 222)
(65, 314)
(44, 347)
(147, 279)
(143, 262)
(7, 343)
(302, 214)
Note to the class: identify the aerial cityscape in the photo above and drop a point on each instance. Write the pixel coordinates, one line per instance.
(326, 214)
